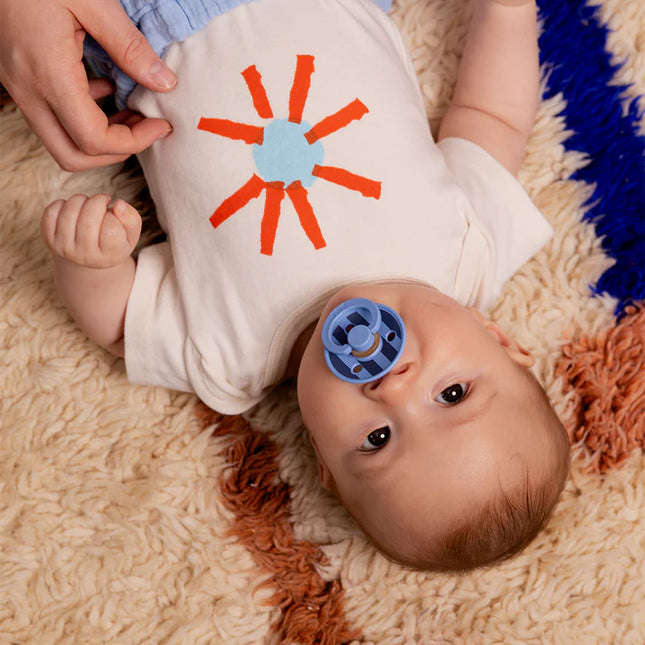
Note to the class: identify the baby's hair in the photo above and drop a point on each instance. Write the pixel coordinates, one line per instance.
(507, 523)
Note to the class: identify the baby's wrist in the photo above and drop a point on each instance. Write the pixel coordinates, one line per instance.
(89, 266)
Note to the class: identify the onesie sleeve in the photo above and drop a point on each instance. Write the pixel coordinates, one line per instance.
(155, 326)
(505, 228)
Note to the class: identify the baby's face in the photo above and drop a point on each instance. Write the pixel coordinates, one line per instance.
(439, 432)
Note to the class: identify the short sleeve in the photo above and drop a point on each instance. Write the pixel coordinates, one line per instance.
(505, 228)
(155, 326)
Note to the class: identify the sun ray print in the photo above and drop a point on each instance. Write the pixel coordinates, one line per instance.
(233, 130)
(259, 96)
(300, 87)
(288, 156)
(351, 112)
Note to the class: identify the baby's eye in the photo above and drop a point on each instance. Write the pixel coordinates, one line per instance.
(453, 394)
(376, 439)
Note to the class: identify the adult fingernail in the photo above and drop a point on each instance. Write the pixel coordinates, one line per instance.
(162, 75)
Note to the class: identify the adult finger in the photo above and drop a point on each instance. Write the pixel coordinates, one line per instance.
(59, 144)
(94, 135)
(125, 117)
(111, 27)
(99, 88)
(89, 127)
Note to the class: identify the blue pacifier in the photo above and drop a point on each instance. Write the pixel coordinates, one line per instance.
(363, 340)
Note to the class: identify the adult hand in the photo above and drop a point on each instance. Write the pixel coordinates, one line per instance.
(41, 50)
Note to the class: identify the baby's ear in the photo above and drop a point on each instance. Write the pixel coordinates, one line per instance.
(324, 475)
(519, 354)
(326, 480)
(516, 352)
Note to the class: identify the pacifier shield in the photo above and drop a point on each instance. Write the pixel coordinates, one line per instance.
(363, 340)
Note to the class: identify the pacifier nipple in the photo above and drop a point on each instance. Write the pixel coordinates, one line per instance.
(363, 340)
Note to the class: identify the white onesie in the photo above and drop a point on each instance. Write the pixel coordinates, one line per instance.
(301, 161)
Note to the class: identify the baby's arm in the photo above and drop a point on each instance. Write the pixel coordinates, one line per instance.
(91, 246)
(496, 93)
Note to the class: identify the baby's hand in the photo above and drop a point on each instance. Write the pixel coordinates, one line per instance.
(83, 230)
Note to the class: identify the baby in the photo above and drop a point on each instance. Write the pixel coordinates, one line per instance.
(301, 173)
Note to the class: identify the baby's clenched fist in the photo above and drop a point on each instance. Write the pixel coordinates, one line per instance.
(85, 231)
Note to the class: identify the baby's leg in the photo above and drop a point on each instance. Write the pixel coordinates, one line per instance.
(91, 245)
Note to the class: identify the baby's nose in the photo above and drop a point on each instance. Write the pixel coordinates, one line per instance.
(394, 387)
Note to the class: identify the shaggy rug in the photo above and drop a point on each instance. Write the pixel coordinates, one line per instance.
(135, 515)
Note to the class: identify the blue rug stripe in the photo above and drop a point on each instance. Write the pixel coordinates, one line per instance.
(573, 46)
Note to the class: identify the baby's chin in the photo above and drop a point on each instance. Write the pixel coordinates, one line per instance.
(381, 291)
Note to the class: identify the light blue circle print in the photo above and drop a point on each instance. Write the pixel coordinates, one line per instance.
(285, 155)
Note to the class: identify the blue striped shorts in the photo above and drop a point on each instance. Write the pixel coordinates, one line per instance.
(162, 22)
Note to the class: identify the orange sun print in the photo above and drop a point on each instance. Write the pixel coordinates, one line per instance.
(288, 156)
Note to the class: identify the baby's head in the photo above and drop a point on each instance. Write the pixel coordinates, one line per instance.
(455, 458)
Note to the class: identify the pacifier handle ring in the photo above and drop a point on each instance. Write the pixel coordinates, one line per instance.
(330, 343)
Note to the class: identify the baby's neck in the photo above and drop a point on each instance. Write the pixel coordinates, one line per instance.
(298, 350)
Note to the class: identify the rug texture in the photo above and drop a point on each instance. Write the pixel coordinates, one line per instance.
(135, 515)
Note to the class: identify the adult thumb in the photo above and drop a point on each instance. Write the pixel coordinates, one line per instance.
(112, 28)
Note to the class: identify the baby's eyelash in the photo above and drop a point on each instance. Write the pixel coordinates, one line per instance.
(376, 439)
(453, 394)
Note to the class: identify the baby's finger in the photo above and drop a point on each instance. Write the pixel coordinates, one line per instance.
(89, 223)
(129, 218)
(49, 221)
(65, 236)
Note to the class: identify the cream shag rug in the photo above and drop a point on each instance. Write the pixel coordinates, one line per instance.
(133, 515)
